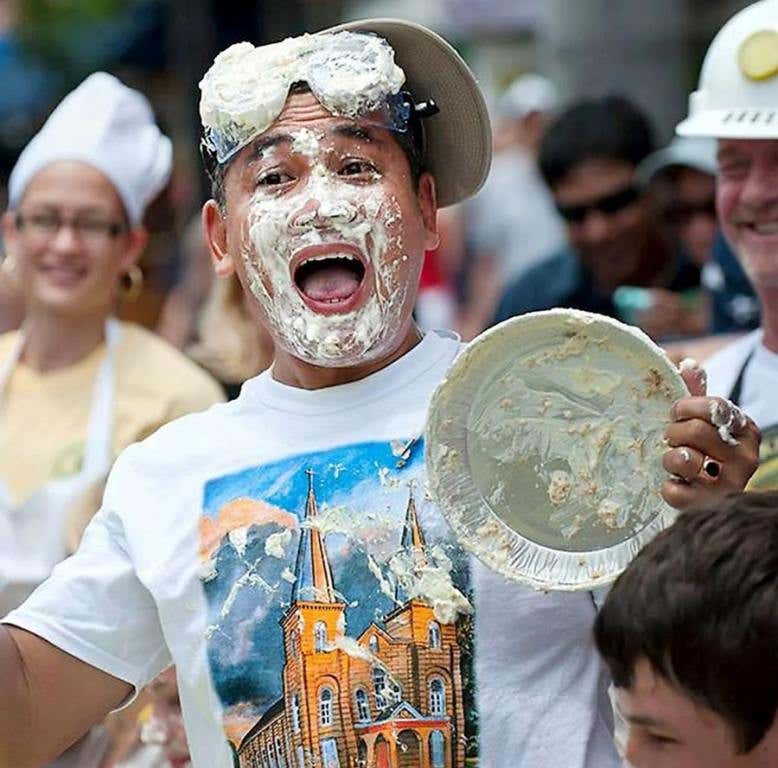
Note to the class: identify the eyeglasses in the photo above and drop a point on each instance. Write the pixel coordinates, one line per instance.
(90, 231)
(606, 205)
(680, 213)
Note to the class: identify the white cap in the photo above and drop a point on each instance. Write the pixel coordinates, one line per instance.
(737, 97)
(528, 93)
(109, 126)
(699, 154)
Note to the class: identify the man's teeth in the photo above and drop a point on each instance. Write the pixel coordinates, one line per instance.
(331, 256)
(766, 229)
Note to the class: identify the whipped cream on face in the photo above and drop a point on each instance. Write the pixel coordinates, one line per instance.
(327, 210)
(246, 87)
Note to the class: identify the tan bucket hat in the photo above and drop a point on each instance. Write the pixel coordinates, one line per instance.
(459, 137)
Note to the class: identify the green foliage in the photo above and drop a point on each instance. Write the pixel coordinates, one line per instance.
(55, 30)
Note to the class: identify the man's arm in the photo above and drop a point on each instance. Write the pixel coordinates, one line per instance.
(49, 699)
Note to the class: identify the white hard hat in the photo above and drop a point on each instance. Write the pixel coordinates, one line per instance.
(737, 97)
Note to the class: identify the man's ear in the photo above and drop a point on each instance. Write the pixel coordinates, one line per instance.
(215, 232)
(428, 205)
(8, 226)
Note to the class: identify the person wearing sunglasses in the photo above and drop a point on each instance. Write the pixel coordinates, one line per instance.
(682, 180)
(588, 158)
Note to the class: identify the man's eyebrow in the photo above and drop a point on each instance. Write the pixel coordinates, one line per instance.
(358, 132)
(642, 720)
(727, 152)
(266, 142)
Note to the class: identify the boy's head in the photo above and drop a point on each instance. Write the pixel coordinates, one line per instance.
(690, 635)
(330, 154)
(588, 158)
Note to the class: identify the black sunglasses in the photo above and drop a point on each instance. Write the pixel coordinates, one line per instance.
(606, 205)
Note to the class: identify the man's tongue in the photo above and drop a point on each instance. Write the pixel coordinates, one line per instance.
(332, 282)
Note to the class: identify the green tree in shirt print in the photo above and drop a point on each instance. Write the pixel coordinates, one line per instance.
(340, 613)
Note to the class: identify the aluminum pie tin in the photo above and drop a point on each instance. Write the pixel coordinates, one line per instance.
(544, 447)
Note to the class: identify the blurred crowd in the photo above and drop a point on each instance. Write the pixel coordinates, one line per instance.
(582, 209)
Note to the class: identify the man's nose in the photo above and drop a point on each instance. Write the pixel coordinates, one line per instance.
(759, 188)
(324, 213)
(596, 227)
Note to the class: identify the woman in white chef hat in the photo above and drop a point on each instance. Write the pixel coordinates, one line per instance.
(76, 385)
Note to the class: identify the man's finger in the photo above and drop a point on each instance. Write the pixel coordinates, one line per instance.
(694, 377)
(682, 495)
(685, 462)
(700, 436)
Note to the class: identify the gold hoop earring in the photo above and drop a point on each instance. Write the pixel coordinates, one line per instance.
(132, 291)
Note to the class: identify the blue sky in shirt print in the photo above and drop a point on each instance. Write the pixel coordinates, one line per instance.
(246, 645)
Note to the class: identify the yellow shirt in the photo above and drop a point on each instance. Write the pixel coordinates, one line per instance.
(44, 417)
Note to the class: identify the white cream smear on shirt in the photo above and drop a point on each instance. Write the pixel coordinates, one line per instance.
(326, 210)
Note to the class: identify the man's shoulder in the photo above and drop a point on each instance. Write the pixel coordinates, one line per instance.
(723, 367)
(149, 365)
(542, 285)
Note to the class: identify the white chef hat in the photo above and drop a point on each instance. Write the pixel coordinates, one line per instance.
(109, 126)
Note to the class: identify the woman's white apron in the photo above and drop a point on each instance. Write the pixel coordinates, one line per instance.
(32, 538)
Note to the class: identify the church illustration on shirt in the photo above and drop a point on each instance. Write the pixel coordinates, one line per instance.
(391, 697)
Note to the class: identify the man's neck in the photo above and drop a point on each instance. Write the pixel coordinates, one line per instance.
(769, 300)
(55, 341)
(296, 373)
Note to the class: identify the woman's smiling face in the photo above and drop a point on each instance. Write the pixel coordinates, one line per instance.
(327, 230)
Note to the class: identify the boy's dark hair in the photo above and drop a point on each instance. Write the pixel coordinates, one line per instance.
(700, 603)
(411, 142)
(606, 128)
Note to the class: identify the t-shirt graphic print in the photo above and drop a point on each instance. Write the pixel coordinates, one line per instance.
(340, 613)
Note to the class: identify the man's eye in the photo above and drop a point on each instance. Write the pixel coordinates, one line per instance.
(273, 179)
(733, 168)
(357, 167)
(659, 738)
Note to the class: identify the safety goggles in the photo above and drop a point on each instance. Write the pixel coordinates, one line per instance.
(606, 205)
(351, 74)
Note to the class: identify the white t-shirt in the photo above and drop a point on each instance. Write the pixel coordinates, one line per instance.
(281, 550)
(758, 395)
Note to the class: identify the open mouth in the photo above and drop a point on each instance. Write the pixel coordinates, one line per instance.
(764, 229)
(329, 278)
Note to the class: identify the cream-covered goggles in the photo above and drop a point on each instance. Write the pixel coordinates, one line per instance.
(351, 74)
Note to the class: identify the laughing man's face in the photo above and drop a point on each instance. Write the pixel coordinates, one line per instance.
(327, 232)
(747, 203)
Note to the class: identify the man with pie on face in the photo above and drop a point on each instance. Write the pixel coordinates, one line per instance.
(282, 550)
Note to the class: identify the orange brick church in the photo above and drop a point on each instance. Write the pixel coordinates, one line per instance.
(394, 700)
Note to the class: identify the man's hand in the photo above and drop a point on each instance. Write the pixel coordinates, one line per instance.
(714, 446)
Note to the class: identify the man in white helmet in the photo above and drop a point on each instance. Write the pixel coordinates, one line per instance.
(737, 103)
